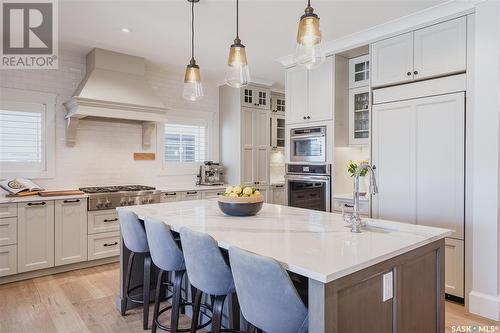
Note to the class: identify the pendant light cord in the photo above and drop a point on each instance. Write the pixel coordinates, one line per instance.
(192, 30)
(308, 3)
(237, 19)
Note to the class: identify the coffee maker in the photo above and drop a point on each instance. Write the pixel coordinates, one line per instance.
(211, 174)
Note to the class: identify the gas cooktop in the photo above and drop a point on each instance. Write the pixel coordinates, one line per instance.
(109, 197)
(116, 188)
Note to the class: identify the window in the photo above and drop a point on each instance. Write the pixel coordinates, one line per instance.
(26, 134)
(185, 143)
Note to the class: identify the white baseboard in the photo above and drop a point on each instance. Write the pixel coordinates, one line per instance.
(484, 305)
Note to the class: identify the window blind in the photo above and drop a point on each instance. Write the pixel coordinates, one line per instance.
(21, 137)
(185, 143)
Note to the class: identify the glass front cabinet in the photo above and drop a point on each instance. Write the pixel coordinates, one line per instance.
(359, 71)
(359, 116)
(278, 103)
(255, 97)
(277, 137)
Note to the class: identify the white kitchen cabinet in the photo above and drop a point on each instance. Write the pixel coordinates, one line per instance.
(102, 221)
(35, 235)
(340, 204)
(277, 132)
(190, 195)
(359, 116)
(440, 49)
(261, 135)
(392, 60)
(103, 245)
(70, 231)
(359, 71)
(413, 141)
(432, 51)
(256, 97)
(454, 267)
(277, 194)
(8, 231)
(310, 93)
(278, 103)
(8, 210)
(211, 194)
(169, 197)
(8, 260)
(264, 190)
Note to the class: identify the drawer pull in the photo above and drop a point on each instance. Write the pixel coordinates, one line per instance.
(194, 192)
(279, 186)
(110, 244)
(71, 201)
(170, 194)
(348, 206)
(36, 203)
(111, 220)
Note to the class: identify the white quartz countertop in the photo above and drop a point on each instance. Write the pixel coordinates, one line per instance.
(314, 244)
(193, 187)
(32, 198)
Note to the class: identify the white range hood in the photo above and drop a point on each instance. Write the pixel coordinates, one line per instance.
(114, 87)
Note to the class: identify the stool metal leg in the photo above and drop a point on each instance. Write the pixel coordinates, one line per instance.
(217, 313)
(145, 292)
(157, 301)
(196, 310)
(127, 281)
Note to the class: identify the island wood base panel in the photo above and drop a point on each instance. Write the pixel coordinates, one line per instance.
(354, 303)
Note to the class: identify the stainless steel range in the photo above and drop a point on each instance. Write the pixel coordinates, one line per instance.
(108, 197)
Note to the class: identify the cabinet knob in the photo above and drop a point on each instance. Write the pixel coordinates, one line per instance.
(415, 72)
(304, 117)
(408, 73)
(308, 117)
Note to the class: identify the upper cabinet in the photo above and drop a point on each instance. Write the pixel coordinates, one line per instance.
(278, 103)
(309, 93)
(429, 52)
(359, 71)
(256, 97)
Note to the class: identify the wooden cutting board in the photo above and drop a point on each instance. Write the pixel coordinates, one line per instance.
(60, 193)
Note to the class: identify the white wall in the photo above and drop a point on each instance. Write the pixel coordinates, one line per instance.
(484, 132)
(103, 153)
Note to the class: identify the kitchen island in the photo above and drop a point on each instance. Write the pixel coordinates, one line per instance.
(388, 278)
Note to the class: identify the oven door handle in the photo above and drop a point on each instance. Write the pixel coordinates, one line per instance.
(307, 136)
(307, 178)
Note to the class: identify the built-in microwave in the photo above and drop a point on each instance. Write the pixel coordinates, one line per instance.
(308, 144)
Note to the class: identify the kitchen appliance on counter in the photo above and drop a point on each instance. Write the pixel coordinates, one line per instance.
(108, 197)
(211, 174)
(308, 144)
(308, 186)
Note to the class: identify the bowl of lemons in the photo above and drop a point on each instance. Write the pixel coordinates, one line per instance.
(241, 201)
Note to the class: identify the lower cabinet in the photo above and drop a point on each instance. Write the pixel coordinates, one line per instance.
(103, 221)
(264, 190)
(277, 195)
(454, 267)
(190, 195)
(103, 245)
(8, 260)
(70, 231)
(35, 235)
(212, 194)
(169, 197)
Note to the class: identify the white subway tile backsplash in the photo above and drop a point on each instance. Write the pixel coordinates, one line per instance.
(103, 153)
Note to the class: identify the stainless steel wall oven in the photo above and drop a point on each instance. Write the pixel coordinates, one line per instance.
(309, 186)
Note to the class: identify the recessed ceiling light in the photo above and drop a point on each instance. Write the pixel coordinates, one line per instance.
(126, 30)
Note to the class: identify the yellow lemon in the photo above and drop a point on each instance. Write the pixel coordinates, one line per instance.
(237, 189)
(247, 191)
(229, 189)
(256, 192)
(233, 195)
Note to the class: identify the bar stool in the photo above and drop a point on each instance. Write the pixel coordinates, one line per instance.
(267, 296)
(134, 236)
(168, 257)
(209, 273)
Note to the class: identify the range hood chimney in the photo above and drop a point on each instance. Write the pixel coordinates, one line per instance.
(114, 87)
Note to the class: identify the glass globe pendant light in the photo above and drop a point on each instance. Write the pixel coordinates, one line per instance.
(193, 89)
(309, 51)
(237, 73)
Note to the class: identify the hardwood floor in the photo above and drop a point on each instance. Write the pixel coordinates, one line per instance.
(84, 301)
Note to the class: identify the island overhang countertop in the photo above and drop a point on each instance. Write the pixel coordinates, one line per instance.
(314, 244)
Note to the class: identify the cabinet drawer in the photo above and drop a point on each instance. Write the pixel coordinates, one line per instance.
(339, 203)
(8, 231)
(169, 197)
(454, 267)
(103, 245)
(103, 221)
(212, 194)
(190, 195)
(8, 260)
(8, 210)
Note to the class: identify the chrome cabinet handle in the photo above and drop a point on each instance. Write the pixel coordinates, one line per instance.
(71, 201)
(110, 244)
(36, 203)
(112, 220)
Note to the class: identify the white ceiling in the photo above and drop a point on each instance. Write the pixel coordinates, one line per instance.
(161, 29)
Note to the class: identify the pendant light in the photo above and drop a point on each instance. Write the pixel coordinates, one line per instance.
(309, 51)
(237, 73)
(193, 89)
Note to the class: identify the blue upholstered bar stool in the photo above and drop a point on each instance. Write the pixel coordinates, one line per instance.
(209, 273)
(267, 296)
(134, 236)
(168, 257)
